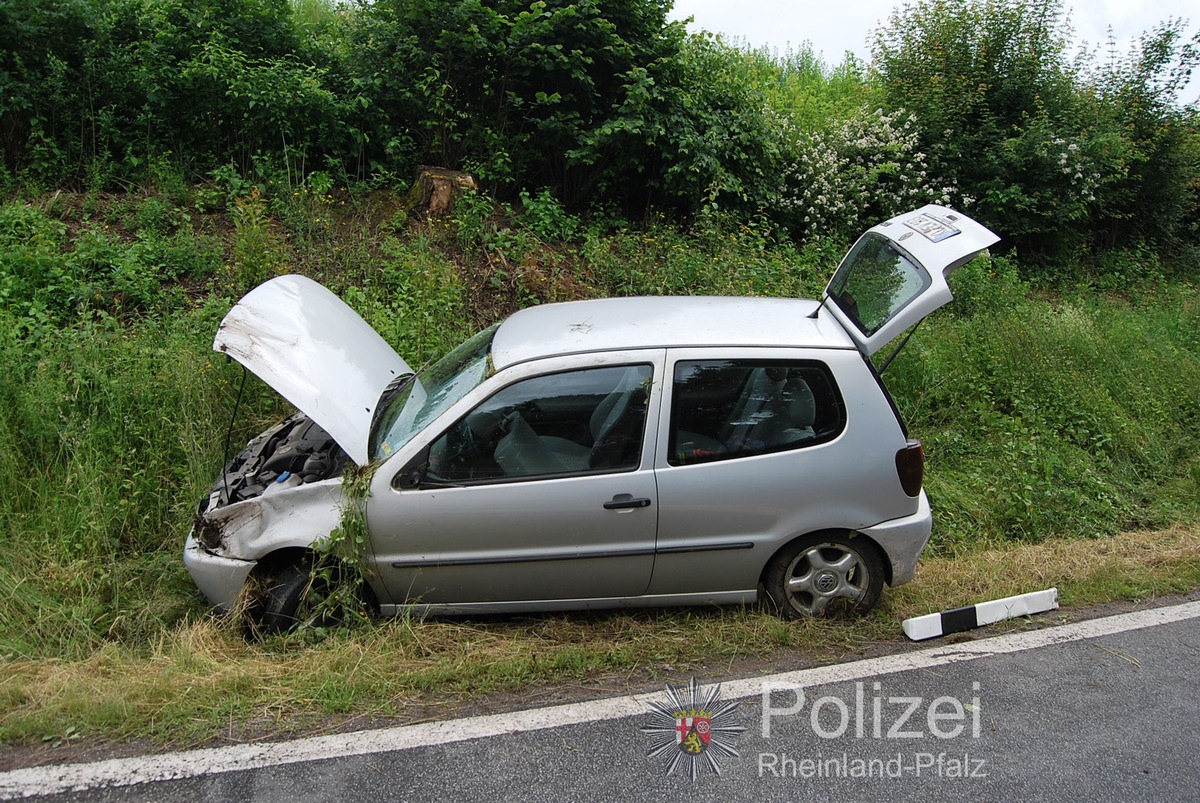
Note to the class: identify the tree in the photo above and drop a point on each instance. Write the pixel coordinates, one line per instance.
(690, 132)
(503, 88)
(42, 46)
(1150, 190)
(996, 101)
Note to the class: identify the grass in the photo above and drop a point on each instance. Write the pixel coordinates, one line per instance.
(1052, 421)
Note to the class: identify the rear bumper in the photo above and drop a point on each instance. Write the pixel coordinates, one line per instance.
(904, 539)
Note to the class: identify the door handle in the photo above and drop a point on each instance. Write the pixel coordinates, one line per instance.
(626, 501)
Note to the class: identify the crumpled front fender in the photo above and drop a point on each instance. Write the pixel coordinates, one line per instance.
(226, 543)
(290, 517)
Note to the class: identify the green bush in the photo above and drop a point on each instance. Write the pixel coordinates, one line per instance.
(505, 89)
(865, 169)
(806, 94)
(415, 300)
(1149, 154)
(112, 431)
(688, 134)
(1065, 159)
(31, 247)
(1069, 417)
(987, 285)
(993, 95)
(610, 105)
(725, 258)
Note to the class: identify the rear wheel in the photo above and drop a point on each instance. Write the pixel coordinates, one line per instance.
(826, 575)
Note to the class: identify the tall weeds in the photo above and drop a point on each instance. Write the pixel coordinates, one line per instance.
(1046, 417)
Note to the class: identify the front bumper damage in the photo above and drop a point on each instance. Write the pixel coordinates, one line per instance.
(227, 542)
(220, 579)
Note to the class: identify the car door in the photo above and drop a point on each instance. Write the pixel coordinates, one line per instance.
(545, 490)
(895, 274)
(753, 451)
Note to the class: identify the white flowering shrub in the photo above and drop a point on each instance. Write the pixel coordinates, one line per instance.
(860, 171)
(1032, 183)
(1081, 173)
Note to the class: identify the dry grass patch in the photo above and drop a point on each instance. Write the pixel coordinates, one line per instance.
(1127, 566)
(203, 683)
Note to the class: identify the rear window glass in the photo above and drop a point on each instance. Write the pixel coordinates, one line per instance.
(875, 281)
(725, 409)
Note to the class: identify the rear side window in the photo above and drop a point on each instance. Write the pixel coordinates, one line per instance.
(726, 409)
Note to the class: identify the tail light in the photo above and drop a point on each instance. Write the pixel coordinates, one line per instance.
(910, 467)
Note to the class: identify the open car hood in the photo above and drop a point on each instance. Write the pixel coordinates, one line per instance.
(895, 274)
(316, 352)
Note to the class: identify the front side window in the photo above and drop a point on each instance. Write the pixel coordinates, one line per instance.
(564, 423)
(724, 409)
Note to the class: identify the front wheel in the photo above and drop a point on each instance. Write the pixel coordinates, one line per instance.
(825, 575)
(285, 594)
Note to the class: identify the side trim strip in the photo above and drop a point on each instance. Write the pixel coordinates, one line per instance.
(616, 553)
(680, 550)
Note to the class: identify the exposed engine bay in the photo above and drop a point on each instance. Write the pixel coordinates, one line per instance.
(293, 452)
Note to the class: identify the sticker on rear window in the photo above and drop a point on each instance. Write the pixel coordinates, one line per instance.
(933, 229)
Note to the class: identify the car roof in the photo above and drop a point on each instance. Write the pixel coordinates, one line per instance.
(612, 324)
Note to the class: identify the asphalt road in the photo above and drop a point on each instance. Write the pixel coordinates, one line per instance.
(1106, 717)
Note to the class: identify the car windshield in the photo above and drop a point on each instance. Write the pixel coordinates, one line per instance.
(432, 391)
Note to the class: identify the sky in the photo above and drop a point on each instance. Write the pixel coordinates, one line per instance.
(833, 27)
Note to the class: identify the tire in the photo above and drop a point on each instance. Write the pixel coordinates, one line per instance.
(825, 575)
(287, 598)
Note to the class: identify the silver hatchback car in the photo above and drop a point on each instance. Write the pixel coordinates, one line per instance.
(592, 454)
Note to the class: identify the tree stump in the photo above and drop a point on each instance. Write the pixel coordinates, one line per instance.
(435, 189)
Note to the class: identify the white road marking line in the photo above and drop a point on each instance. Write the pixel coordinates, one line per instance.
(57, 779)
